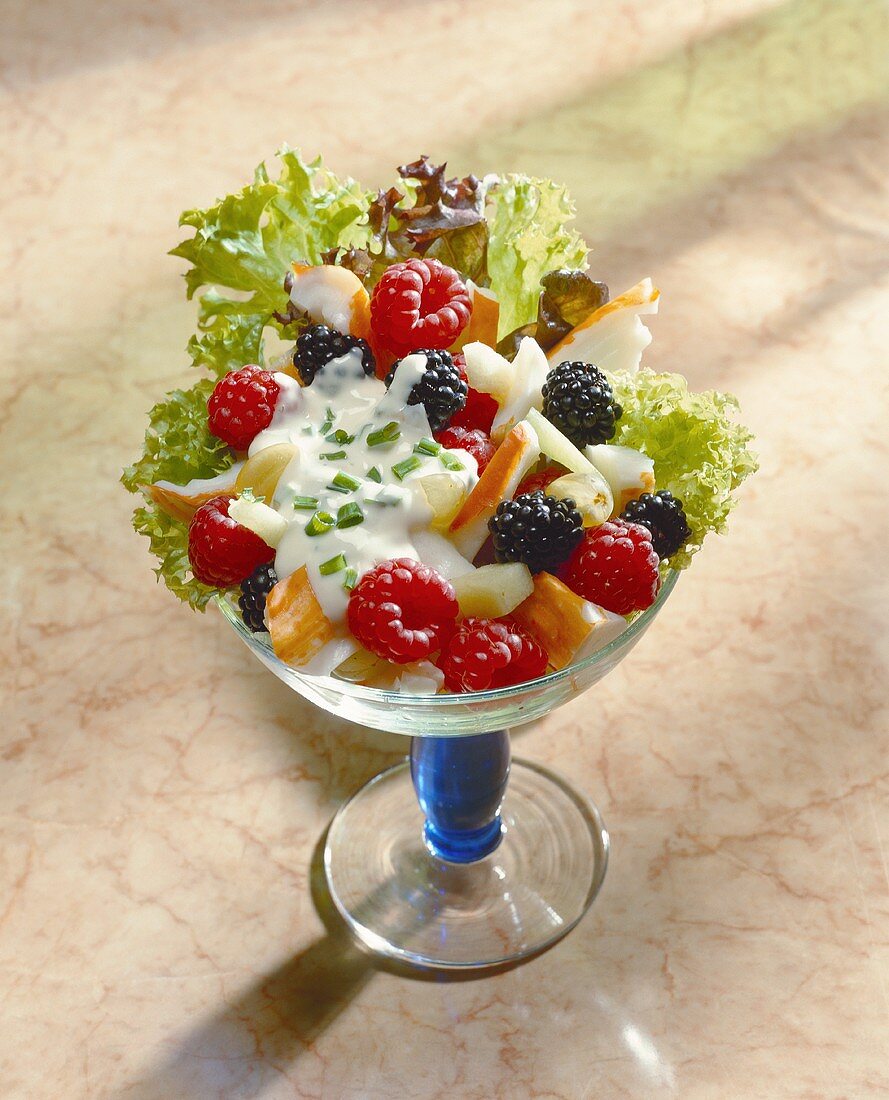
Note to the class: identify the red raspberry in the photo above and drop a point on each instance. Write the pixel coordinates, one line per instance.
(478, 443)
(241, 405)
(419, 304)
(222, 552)
(480, 408)
(490, 653)
(541, 480)
(615, 566)
(402, 610)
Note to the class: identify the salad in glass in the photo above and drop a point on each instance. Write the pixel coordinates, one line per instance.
(453, 474)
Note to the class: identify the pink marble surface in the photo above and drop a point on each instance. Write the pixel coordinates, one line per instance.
(162, 797)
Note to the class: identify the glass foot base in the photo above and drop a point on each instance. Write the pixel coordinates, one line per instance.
(404, 903)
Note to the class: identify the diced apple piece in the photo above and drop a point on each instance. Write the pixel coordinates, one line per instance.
(298, 626)
(485, 318)
(419, 678)
(440, 554)
(258, 518)
(360, 667)
(613, 336)
(606, 627)
(494, 590)
(512, 460)
(558, 446)
(530, 368)
(332, 295)
(629, 472)
(363, 667)
(182, 501)
(331, 656)
(488, 371)
(565, 624)
(445, 495)
(590, 492)
(262, 471)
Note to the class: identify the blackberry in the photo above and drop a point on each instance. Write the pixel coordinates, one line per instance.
(577, 399)
(441, 391)
(254, 590)
(537, 529)
(664, 517)
(318, 344)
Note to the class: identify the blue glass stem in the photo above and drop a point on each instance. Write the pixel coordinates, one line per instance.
(460, 783)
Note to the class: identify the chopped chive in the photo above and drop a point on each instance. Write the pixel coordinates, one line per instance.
(350, 579)
(332, 565)
(427, 447)
(387, 434)
(328, 420)
(403, 468)
(374, 474)
(332, 456)
(350, 515)
(340, 436)
(450, 462)
(345, 483)
(308, 430)
(337, 488)
(308, 504)
(320, 524)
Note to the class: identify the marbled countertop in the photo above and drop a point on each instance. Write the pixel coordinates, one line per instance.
(162, 796)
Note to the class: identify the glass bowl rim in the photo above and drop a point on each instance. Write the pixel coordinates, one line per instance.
(493, 695)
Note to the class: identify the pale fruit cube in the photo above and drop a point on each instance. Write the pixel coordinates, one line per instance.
(440, 554)
(558, 446)
(494, 590)
(258, 518)
(590, 492)
(629, 472)
(333, 296)
(444, 494)
(360, 667)
(488, 371)
(262, 471)
(419, 678)
(529, 374)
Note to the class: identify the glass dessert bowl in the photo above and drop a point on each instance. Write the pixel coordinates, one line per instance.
(461, 857)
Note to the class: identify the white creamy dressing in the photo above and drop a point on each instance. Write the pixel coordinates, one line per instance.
(343, 398)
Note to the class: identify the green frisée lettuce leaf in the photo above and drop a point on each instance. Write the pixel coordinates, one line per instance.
(529, 236)
(168, 541)
(700, 450)
(245, 243)
(228, 338)
(178, 447)
(178, 443)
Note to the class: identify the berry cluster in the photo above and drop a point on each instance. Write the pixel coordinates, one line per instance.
(419, 304)
(221, 552)
(242, 405)
(615, 566)
(402, 610)
(317, 345)
(664, 517)
(441, 391)
(536, 529)
(577, 398)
